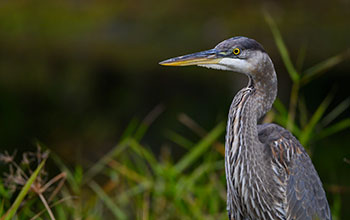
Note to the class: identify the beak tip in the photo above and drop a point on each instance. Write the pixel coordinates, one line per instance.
(204, 57)
(166, 62)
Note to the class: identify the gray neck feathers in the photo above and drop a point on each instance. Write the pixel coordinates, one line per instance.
(252, 102)
(264, 81)
(243, 150)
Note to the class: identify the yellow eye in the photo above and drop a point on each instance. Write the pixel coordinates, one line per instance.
(236, 51)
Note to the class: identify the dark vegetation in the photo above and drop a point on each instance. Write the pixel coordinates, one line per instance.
(76, 78)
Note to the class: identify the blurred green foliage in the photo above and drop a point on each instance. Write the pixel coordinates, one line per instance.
(77, 75)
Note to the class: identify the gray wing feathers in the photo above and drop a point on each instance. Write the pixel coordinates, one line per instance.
(305, 197)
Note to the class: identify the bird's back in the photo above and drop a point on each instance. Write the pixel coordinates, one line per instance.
(304, 196)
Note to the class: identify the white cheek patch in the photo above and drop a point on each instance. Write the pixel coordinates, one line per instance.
(215, 66)
(236, 65)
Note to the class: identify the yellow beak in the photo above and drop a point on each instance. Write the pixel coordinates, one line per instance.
(204, 57)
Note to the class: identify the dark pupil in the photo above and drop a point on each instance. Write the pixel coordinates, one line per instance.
(236, 51)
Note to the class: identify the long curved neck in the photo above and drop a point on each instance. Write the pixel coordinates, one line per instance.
(243, 150)
(263, 80)
(249, 105)
(252, 102)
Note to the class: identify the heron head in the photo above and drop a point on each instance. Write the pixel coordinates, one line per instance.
(238, 54)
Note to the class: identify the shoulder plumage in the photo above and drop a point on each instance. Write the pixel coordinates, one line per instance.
(305, 197)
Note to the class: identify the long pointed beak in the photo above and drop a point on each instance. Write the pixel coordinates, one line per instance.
(204, 57)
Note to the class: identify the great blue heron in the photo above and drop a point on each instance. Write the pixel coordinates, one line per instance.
(269, 174)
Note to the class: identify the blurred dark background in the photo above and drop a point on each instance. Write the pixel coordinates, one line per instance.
(74, 74)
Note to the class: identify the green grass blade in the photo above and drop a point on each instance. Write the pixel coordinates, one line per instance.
(2, 206)
(135, 190)
(293, 73)
(318, 69)
(337, 127)
(200, 148)
(130, 129)
(69, 174)
(4, 193)
(147, 121)
(12, 211)
(303, 112)
(336, 112)
(116, 211)
(281, 109)
(293, 106)
(98, 167)
(128, 173)
(179, 139)
(336, 207)
(301, 57)
(144, 153)
(283, 121)
(199, 172)
(307, 131)
(141, 131)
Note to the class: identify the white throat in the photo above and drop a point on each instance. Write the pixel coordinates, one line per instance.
(231, 64)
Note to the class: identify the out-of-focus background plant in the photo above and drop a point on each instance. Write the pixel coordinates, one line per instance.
(130, 139)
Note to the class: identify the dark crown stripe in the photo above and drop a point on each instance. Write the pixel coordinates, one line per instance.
(241, 42)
